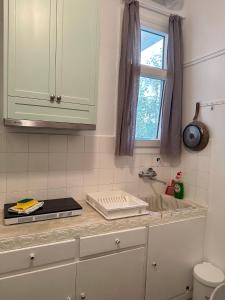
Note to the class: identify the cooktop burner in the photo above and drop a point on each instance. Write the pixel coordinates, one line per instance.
(52, 209)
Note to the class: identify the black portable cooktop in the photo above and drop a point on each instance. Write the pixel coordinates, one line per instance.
(52, 209)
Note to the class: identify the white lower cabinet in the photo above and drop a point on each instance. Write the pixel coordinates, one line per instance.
(56, 283)
(112, 277)
(112, 266)
(173, 251)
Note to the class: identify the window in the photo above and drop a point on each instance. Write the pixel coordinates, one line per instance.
(152, 83)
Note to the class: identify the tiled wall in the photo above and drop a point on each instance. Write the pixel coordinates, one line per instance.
(48, 166)
(196, 171)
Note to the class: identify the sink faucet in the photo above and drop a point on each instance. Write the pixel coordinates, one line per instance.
(151, 174)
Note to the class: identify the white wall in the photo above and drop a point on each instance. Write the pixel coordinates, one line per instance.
(111, 12)
(204, 80)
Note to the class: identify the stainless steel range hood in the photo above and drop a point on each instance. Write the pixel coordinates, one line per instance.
(46, 124)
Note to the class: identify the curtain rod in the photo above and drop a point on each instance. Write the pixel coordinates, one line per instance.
(156, 9)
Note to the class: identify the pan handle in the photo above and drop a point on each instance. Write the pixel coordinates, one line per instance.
(197, 110)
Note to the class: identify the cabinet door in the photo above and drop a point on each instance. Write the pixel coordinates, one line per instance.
(32, 44)
(77, 50)
(36, 110)
(53, 283)
(116, 276)
(174, 249)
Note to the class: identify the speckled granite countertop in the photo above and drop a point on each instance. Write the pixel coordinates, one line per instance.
(89, 223)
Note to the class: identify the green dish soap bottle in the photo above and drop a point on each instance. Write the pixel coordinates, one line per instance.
(179, 187)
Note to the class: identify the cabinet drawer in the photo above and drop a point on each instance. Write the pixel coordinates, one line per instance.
(113, 241)
(37, 256)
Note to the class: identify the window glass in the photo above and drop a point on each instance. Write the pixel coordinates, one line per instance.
(149, 108)
(152, 82)
(152, 49)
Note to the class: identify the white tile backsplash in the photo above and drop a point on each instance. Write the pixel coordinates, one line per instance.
(17, 143)
(91, 177)
(76, 144)
(203, 163)
(91, 161)
(107, 161)
(57, 193)
(92, 144)
(58, 144)
(37, 180)
(38, 143)
(75, 178)
(38, 162)
(57, 162)
(17, 181)
(50, 166)
(16, 162)
(57, 179)
(203, 180)
(76, 192)
(107, 145)
(3, 187)
(37, 194)
(3, 163)
(75, 162)
(3, 143)
(197, 170)
(106, 176)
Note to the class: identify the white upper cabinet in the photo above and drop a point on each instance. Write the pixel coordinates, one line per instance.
(77, 50)
(32, 46)
(52, 61)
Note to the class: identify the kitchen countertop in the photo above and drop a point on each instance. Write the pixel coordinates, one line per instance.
(89, 223)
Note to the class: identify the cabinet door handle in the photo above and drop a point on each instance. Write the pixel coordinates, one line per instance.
(82, 296)
(68, 298)
(58, 99)
(52, 98)
(32, 256)
(117, 241)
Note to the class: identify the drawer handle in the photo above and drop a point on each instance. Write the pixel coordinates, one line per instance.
(154, 264)
(117, 241)
(82, 296)
(32, 256)
(68, 298)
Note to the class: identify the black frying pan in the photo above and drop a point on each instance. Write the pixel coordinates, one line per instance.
(196, 134)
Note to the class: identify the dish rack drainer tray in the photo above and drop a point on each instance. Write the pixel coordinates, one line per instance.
(117, 204)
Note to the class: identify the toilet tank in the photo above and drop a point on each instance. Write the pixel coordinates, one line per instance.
(206, 278)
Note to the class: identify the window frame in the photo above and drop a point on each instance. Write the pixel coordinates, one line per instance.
(154, 73)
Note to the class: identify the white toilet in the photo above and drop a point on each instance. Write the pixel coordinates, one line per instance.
(219, 293)
(206, 278)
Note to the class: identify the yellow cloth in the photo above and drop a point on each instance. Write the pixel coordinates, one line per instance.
(26, 205)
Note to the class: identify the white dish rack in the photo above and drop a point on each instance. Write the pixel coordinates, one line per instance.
(117, 204)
